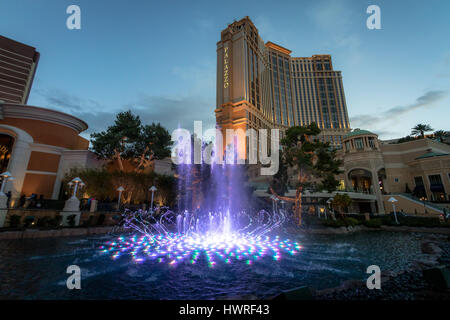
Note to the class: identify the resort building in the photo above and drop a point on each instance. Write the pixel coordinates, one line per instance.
(261, 86)
(416, 173)
(18, 63)
(38, 146)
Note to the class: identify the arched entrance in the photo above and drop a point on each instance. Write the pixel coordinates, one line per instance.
(6, 147)
(361, 180)
(381, 178)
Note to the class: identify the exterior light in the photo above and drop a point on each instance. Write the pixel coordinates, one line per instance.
(6, 176)
(393, 201)
(152, 189)
(120, 189)
(76, 181)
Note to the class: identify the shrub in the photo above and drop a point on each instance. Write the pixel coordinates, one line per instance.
(373, 223)
(420, 221)
(101, 219)
(89, 221)
(351, 221)
(28, 221)
(14, 221)
(333, 223)
(43, 222)
(55, 222)
(344, 222)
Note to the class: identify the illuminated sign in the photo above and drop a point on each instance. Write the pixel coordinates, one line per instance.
(226, 73)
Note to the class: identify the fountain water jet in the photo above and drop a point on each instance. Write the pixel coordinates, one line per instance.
(220, 227)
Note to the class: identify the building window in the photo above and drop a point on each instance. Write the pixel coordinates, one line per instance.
(6, 146)
(347, 146)
(418, 181)
(435, 179)
(359, 143)
(436, 188)
(371, 142)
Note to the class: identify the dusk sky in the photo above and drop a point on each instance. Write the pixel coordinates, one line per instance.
(158, 58)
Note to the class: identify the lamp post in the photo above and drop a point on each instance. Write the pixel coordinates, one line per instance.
(120, 189)
(152, 189)
(393, 201)
(424, 207)
(76, 182)
(329, 201)
(72, 205)
(321, 210)
(6, 176)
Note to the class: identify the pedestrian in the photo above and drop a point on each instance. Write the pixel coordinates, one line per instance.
(8, 195)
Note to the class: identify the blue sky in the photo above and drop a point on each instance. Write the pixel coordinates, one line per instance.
(158, 58)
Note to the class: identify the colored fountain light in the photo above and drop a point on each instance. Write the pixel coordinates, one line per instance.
(217, 240)
(216, 221)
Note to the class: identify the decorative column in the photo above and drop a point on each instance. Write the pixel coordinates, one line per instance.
(3, 198)
(377, 192)
(72, 205)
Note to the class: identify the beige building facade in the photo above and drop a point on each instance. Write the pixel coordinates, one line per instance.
(416, 173)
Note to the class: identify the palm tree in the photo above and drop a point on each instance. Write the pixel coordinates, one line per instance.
(420, 129)
(440, 134)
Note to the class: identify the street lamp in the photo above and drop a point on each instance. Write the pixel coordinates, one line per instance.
(120, 189)
(76, 182)
(321, 210)
(423, 201)
(6, 176)
(152, 189)
(393, 201)
(329, 202)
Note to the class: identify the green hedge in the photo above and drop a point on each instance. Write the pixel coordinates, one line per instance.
(420, 221)
(344, 222)
(373, 223)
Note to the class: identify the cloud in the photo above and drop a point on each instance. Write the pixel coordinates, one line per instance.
(424, 101)
(171, 112)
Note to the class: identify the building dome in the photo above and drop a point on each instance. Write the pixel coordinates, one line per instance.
(358, 132)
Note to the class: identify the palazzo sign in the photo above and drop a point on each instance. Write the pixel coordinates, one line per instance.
(226, 73)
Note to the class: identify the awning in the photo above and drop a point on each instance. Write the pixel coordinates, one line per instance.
(419, 191)
(437, 188)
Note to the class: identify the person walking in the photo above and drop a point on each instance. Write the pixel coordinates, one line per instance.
(8, 195)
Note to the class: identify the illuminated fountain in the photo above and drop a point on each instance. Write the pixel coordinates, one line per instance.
(213, 222)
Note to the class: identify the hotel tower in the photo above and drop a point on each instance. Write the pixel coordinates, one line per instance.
(18, 63)
(260, 85)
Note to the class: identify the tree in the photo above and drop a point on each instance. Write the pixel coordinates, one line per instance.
(404, 139)
(420, 129)
(280, 180)
(310, 160)
(341, 201)
(440, 135)
(129, 140)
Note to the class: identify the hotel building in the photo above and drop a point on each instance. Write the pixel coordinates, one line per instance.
(38, 146)
(18, 63)
(260, 85)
